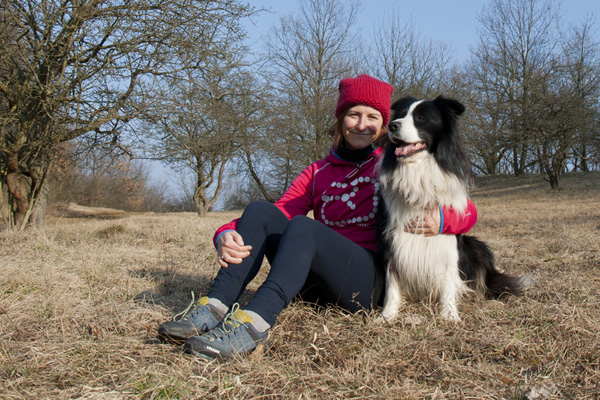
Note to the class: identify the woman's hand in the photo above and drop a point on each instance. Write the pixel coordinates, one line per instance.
(429, 225)
(231, 249)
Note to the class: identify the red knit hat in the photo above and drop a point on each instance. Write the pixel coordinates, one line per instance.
(368, 91)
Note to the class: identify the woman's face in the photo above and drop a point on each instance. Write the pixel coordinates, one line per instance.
(361, 126)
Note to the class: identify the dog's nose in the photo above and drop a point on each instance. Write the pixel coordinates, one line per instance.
(394, 126)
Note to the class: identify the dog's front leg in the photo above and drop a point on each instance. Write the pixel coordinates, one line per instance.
(449, 310)
(394, 298)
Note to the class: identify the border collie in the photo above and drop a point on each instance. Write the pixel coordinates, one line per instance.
(424, 167)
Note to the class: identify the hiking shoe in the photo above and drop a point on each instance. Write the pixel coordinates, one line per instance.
(234, 336)
(196, 319)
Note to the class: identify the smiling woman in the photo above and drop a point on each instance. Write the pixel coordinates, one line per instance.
(331, 258)
(362, 113)
(362, 126)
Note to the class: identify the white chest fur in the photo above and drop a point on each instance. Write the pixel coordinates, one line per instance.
(419, 266)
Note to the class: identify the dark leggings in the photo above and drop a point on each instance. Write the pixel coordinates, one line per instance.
(308, 260)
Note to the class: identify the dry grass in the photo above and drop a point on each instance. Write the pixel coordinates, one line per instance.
(80, 303)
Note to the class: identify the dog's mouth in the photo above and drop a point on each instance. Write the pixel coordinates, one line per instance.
(404, 149)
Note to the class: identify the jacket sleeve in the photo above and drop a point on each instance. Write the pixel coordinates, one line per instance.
(457, 223)
(297, 200)
(230, 226)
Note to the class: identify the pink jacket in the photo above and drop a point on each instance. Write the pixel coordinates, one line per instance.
(344, 196)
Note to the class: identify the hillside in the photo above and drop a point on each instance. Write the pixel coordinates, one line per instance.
(81, 300)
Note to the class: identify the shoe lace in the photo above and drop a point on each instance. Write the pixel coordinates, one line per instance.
(227, 326)
(191, 307)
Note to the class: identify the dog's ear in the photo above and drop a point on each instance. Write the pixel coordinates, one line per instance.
(453, 106)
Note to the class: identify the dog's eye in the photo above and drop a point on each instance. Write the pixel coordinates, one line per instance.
(419, 118)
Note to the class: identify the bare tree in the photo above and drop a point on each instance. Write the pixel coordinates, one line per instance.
(582, 67)
(73, 68)
(101, 180)
(553, 132)
(539, 92)
(565, 104)
(206, 122)
(402, 56)
(485, 133)
(488, 120)
(517, 47)
(309, 52)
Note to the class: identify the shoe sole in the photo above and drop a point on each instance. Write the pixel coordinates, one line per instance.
(188, 349)
(165, 337)
(261, 347)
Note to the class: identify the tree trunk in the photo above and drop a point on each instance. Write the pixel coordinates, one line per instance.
(553, 179)
(27, 197)
(257, 180)
(19, 189)
(584, 158)
(4, 206)
(201, 202)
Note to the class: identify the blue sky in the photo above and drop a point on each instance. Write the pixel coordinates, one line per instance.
(453, 22)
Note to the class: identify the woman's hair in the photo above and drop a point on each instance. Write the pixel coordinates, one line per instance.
(337, 136)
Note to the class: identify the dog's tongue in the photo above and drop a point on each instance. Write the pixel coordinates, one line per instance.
(408, 149)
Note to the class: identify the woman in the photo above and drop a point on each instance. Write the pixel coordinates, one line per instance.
(329, 259)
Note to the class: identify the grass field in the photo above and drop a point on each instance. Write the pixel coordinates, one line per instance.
(80, 303)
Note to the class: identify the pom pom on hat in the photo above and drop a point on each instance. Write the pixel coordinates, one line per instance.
(367, 91)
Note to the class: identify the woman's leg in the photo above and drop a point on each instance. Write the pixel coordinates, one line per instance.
(261, 226)
(345, 273)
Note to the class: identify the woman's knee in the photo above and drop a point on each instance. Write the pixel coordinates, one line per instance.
(258, 211)
(303, 223)
(302, 228)
(260, 208)
(262, 216)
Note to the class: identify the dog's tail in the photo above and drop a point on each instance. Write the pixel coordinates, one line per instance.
(477, 266)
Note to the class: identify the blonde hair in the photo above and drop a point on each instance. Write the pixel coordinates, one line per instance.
(337, 136)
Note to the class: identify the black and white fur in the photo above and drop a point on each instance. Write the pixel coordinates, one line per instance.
(424, 167)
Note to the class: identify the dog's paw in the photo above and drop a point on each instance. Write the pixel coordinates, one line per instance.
(386, 317)
(450, 313)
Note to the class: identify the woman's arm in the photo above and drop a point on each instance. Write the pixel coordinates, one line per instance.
(445, 220)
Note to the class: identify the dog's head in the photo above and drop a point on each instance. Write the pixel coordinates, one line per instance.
(421, 125)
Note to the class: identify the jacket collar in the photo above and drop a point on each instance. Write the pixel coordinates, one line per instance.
(334, 158)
